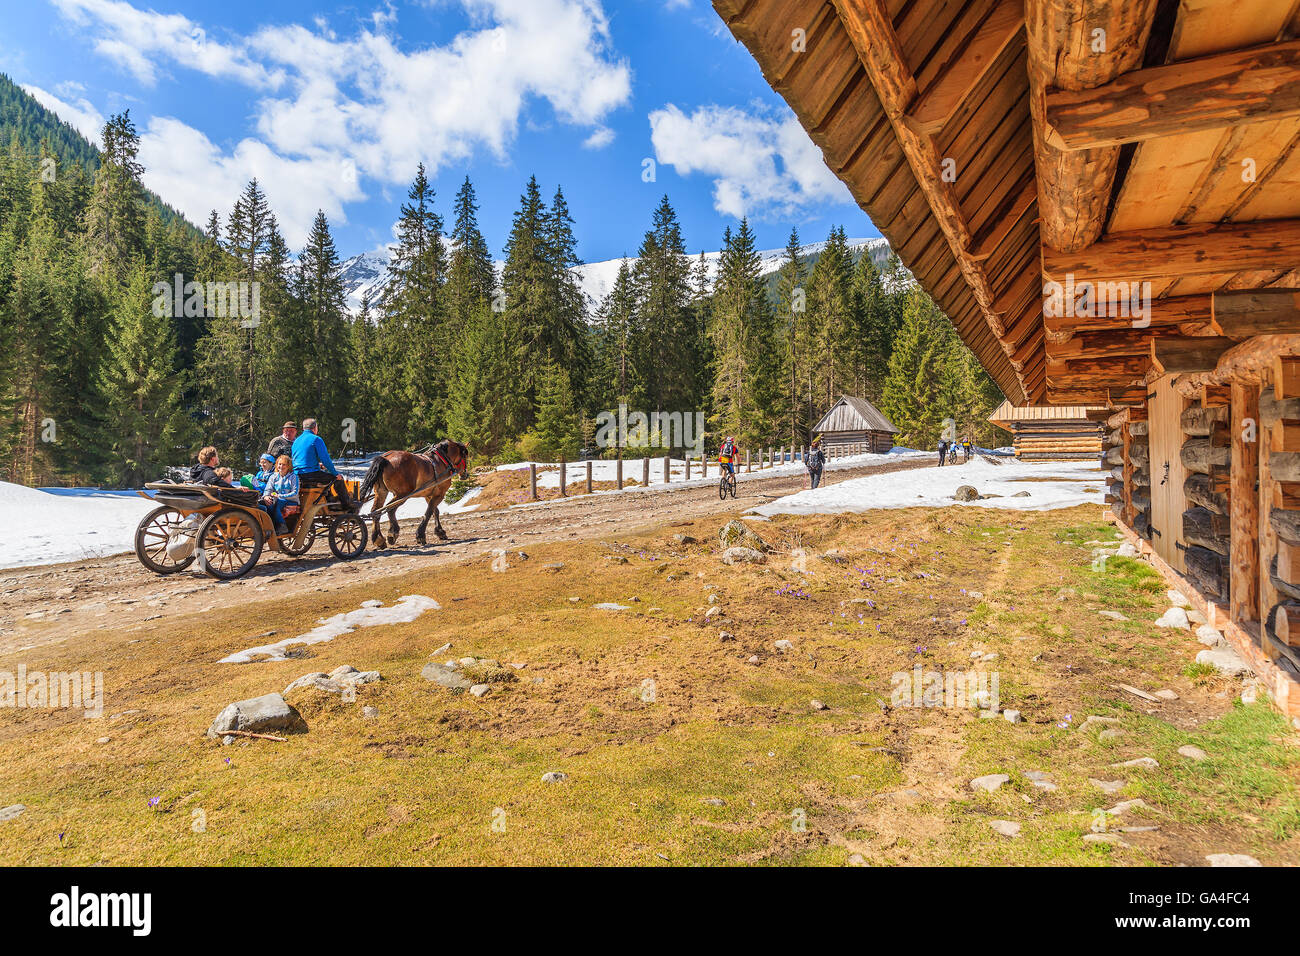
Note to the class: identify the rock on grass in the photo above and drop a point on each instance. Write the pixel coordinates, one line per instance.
(259, 715)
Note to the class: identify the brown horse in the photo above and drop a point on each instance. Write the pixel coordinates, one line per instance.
(399, 473)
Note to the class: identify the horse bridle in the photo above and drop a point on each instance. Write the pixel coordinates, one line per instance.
(435, 456)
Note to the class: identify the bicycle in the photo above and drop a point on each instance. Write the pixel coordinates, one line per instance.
(727, 483)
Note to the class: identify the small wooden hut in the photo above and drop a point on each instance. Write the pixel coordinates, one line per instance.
(1050, 432)
(853, 425)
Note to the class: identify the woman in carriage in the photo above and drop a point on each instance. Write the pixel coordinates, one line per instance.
(280, 493)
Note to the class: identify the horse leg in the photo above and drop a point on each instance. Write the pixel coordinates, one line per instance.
(437, 522)
(394, 530)
(419, 535)
(376, 510)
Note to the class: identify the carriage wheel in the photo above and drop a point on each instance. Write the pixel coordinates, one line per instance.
(230, 542)
(286, 543)
(152, 535)
(347, 536)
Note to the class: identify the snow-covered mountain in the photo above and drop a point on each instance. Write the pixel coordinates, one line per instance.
(368, 272)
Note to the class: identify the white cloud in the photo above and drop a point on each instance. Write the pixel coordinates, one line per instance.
(601, 137)
(188, 170)
(81, 115)
(333, 111)
(763, 165)
(137, 39)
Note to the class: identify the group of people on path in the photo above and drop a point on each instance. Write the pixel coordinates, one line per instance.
(290, 460)
(815, 461)
(947, 447)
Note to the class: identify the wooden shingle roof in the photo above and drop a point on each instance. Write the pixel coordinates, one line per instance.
(1008, 146)
(851, 414)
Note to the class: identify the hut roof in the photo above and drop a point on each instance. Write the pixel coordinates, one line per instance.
(851, 414)
(999, 149)
(1006, 413)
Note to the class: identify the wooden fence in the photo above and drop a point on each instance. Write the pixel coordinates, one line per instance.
(768, 457)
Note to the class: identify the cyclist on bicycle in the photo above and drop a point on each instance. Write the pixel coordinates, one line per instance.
(728, 454)
(966, 448)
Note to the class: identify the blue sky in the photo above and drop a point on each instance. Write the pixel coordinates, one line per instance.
(331, 106)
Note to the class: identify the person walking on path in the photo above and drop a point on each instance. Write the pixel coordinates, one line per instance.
(816, 461)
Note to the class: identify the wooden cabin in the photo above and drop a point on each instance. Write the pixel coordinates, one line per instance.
(854, 426)
(1050, 432)
(1104, 198)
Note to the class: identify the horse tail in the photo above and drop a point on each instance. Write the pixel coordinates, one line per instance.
(372, 476)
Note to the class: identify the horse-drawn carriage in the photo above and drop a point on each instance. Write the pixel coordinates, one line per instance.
(225, 530)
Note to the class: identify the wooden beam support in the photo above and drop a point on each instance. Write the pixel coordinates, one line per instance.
(1188, 314)
(1244, 505)
(1239, 315)
(1210, 92)
(1179, 354)
(1194, 249)
(1286, 377)
(964, 70)
(1074, 186)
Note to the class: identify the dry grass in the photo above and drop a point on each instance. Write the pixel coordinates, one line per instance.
(718, 764)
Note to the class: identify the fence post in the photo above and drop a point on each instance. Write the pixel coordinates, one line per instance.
(747, 468)
(619, 470)
(563, 473)
(589, 488)
(645, 472)
(668, 472)
(704, 463)
(532, 480)
(688, 466)
(792, 453)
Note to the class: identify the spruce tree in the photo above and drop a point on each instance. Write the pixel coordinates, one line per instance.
(141, 387)
(792, 316)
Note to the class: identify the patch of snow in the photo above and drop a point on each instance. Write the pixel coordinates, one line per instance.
(406, 610)
(1063, 487)
(66, 524)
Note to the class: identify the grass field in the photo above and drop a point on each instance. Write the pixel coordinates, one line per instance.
(679, 747)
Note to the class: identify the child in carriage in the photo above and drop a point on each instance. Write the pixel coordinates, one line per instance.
(280, 493)
(265, 469)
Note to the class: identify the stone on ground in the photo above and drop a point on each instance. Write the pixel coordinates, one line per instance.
(1113, 615)
(1107, 786)
(1008, 828)
(11, 812)
(1126, 550)
(445, 677)
(743, 555)
(1167, 694)
(1192, 753)
(1232, 859)
(1224, 660)
(734, 533)
(554, 776)
(989, 782)
(1209, 636)
(259, 715)
(1114, 839)
(1178, 598)
(1175, 618)
(966, 493)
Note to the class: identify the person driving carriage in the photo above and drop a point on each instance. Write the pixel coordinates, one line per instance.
(312, 463)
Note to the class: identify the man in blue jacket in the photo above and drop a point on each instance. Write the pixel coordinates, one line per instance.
(312, 462)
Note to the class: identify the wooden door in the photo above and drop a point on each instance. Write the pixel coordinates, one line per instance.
(1167, 472)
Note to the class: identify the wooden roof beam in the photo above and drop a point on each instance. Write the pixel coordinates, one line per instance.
(871, 31)
(1239, 315)
(1180, 354)
(1210, 92)
(957, 77)
(1078, 46)
(1194, 249)
(1189, 314)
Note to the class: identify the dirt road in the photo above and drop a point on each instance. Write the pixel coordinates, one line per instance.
(52, 603)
